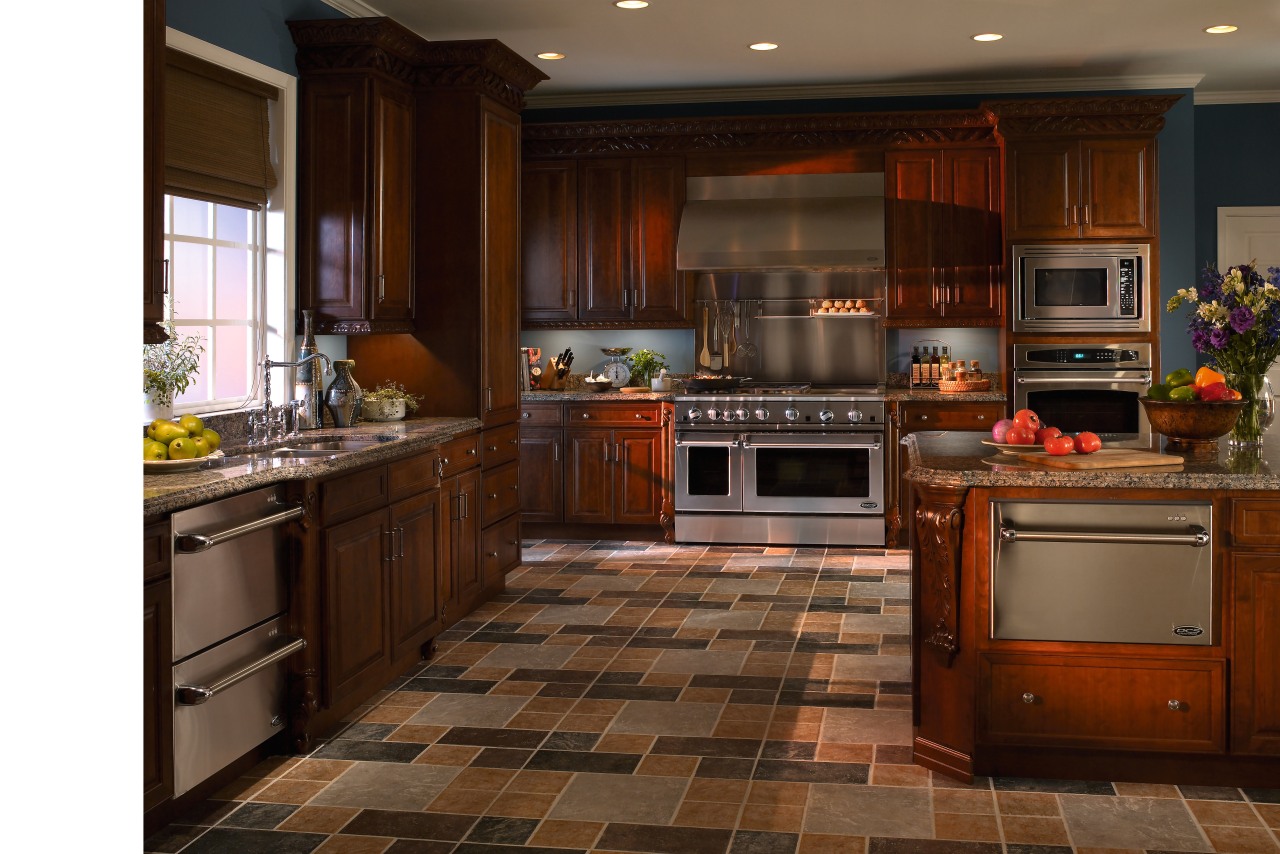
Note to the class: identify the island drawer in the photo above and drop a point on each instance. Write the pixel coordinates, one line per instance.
(951, 416)
(458, 455)
(414, 474)
(499, 549)
(156, 550)
(1102, 702)
(352, 494)
(499, 493)
(613, 415)
(499, 445)
(540, 414)
(1255, 522)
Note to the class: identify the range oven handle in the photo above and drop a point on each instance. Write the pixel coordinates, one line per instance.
(1144, 379)
(192, 543)
(1195, 536)
(841, 442)
(195, 695)
(712, 439)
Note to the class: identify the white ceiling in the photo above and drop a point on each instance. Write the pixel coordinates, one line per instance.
(696, 50)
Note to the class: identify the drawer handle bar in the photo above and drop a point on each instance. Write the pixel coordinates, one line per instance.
(1197, 537)
(195, 695)
(1144, 379)
(193, 543)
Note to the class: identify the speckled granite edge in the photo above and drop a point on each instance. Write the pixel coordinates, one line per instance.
(587, 394)
(166, 493)
(933, 395)
(960, 459)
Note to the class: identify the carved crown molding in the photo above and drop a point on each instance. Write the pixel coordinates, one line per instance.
(759, 133)
(606, 324)
(1120, 114)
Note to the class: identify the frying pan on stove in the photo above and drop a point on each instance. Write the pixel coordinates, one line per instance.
(711, 383)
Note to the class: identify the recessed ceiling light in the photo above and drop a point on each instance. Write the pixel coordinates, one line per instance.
(764, 46)
(551, 56)
(1220, 29)
(631, 4)
(987, 37)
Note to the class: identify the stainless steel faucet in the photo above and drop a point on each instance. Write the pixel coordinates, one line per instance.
(310, 414)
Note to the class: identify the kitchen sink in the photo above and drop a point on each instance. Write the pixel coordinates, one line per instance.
(299, 452)
(330, 446)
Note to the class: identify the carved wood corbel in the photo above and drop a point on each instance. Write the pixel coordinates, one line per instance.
(939, 522)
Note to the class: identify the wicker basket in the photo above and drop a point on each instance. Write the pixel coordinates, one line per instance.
(953, 387)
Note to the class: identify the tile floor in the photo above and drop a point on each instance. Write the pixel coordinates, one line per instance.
(638, 697)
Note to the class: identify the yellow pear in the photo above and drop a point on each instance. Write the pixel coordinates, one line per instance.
(193, 424)
(201, 446)
(168, 432)
(182, 448)
(154, 450)
(213, 439)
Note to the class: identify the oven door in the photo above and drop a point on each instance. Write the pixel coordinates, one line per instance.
(708, 471)
(813, 473)
(1100, 401)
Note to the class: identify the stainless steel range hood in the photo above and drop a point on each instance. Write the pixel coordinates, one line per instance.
(783, 222)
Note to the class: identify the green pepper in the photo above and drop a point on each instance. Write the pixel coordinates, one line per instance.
(1182, 393)
(1158, 392)
(1179, 378)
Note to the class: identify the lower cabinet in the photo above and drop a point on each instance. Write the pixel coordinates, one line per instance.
(157, 663)
(1253, 564)
(460, 526)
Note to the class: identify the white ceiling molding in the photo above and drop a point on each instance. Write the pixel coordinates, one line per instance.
(860, 90)
(354, 8)
(1264, 97)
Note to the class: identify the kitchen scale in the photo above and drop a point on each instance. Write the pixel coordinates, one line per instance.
(616, 369)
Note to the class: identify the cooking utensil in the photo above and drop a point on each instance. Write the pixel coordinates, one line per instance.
(731, 320)
(704, 356)
(717, 356)
(746, 349)
(711, 383)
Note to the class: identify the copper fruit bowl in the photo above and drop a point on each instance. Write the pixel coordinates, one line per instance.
(1192, 424)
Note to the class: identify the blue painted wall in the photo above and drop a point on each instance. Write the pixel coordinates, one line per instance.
(1237, 163)
(252, 28)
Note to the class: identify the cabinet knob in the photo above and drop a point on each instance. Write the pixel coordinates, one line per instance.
(525, 414)
(471, 452)
(513, 542)
(586, 415)
(1177, 706)
(492, 554)
(491, 447)
(924, 417)
(513, 441)
(492, 496)
(1028, 698)
(982, 418)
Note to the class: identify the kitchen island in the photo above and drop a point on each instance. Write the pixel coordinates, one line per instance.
(1041, 668)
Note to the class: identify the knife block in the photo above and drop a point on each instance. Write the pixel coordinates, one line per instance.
(549, 381)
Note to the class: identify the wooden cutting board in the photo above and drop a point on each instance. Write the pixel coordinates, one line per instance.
(1106, 458)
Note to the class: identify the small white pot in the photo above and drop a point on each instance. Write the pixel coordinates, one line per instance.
(382, 410)
(152, 410)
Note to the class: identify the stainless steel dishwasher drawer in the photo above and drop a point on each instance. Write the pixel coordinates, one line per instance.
(210, 734)
(1105, 573)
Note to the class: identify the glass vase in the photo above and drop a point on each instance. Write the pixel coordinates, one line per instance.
(1259, 409)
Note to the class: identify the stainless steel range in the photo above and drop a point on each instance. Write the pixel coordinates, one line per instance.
(781, 464)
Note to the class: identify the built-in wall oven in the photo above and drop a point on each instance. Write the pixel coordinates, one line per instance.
(1093, 387)
(780, 468)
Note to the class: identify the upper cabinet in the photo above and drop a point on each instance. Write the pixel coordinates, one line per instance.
(1080, 168)
(598, 242)
(943, 237)
(154, 267)
(355, 178)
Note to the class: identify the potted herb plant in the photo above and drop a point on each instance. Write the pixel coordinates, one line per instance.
(168, 369)
(647, 365)
(388, 402)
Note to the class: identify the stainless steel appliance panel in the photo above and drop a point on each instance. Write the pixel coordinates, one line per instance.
(221, 589)
(708, 471)
(1076, 287)
(209, 735)
(789, 529)
(1101, 401)
(1102, 573)
(813, 473)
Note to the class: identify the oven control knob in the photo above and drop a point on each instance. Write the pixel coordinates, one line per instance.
(713, 414)
(743, 414)
(695, 414)
(792, 413)
(826, 416)
(762, 414)
(727, 415)
(855, 415)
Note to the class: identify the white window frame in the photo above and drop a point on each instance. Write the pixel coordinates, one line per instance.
(277, 338)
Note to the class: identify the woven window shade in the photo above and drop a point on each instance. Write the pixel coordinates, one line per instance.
(216, 133)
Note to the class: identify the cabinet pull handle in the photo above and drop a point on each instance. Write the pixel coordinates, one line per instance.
(1177, 706)
(465, 509)
(572, 297)
(555, 452)
(488, 399)
(606, 453)
(1086, 214)
(635, 297)
(1075, 214)
(167, 268)
(617, 454)
(195, 695)
(390, 553)
(382, 288)
(400, 531)
(625, 303)
(1028, 698)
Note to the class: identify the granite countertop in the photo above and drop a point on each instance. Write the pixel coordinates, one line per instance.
(960, 459)
(540, 396)
(995, 395)
(892, 394)
(166, 493)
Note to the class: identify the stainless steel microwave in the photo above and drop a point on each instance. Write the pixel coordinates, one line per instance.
(1084, 288)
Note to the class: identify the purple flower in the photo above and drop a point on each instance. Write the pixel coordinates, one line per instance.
(1199, 340)
(1242, 319)
(1218, 338)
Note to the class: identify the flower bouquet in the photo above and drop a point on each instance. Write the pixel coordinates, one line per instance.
(1236, 323)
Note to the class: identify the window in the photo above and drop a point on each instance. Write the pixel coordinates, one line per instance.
(231, 275)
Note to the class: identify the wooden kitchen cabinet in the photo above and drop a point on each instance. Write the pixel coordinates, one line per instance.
(460, 525)
(1254, 565)
(355, 180)
(598, 240)
(943, 235)
(154, 267)
(541, 466)
(157, 664)
(915, 416)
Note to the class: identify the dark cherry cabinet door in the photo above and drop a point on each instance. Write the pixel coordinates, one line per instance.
(154, 268)
(972, 242)
(913, 223)
(588, 487)
(391, 286)
(356, 648)
(1043, 188)
(1255, 690)
(657, 288)
(541, 474)
(157, 694)
(1118, 178)
(415, 584)
(637, 485)
(604, 239)
(549, 240)
(500, 314)
(461, 522)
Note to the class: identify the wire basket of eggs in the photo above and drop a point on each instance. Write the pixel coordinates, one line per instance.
(845, 307)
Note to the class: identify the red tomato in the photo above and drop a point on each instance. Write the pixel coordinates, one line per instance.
(1027, 418)
(1087, 443)
(1059, 446)
(1047, 433)
(1020, 436)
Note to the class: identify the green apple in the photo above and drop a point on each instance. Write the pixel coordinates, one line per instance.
(168, 432)
(201, 446)
(154, 450)
(213, 439)
(182, 448)
(192, 424)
